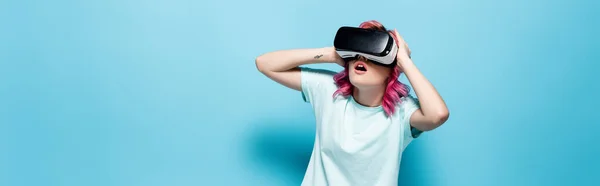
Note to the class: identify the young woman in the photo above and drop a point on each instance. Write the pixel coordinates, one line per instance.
(365, 116)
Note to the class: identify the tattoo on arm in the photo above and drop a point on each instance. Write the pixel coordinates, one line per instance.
(318, 56)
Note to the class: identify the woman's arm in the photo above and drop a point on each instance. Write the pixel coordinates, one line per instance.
(433, 111)
(282, 66)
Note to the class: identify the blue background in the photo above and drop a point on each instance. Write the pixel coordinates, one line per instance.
(167, 93)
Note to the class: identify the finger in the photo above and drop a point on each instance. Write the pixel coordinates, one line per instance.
(399, 36)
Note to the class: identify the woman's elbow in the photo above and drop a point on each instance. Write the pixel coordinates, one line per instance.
(440, 118)
(260, 64)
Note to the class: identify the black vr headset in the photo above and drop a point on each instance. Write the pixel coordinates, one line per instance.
(376, 46)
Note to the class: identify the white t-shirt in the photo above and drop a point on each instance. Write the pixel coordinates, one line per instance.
(354, 145)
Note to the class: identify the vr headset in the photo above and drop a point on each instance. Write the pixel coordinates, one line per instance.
(376, 46)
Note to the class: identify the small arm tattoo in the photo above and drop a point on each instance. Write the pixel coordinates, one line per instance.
(318, 56)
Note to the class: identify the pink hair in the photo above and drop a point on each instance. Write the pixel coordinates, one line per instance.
(394, 90)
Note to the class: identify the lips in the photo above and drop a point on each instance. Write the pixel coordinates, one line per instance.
(360, 67)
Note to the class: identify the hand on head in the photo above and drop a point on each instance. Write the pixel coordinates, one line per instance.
(403, 50)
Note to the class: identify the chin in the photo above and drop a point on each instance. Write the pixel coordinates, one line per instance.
(362, 82)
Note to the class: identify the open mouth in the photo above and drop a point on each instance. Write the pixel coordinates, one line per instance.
(360, 67)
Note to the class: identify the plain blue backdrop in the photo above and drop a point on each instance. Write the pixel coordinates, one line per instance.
(157, 93)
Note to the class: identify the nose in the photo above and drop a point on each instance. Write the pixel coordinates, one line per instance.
(363, 59)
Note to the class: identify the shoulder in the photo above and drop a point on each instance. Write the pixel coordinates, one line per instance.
(406, 106)
(317, 77)
(408, 101)
(317, 73)
(317, 84)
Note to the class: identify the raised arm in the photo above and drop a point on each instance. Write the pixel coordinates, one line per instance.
(433, 112)
(283, 66)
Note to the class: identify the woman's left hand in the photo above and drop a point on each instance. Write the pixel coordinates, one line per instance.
(404, 52)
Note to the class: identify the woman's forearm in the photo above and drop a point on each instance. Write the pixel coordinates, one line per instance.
(283, 60)
(432, 104)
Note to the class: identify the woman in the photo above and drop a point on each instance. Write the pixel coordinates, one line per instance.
(365, 116)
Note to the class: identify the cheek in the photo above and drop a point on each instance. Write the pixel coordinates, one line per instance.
(381, 74)
(351, 64)
(380, 77)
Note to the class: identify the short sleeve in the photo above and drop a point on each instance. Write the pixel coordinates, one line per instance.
(316, 83)
(409, 105)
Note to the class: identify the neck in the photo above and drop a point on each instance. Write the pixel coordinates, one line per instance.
(370, 97)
